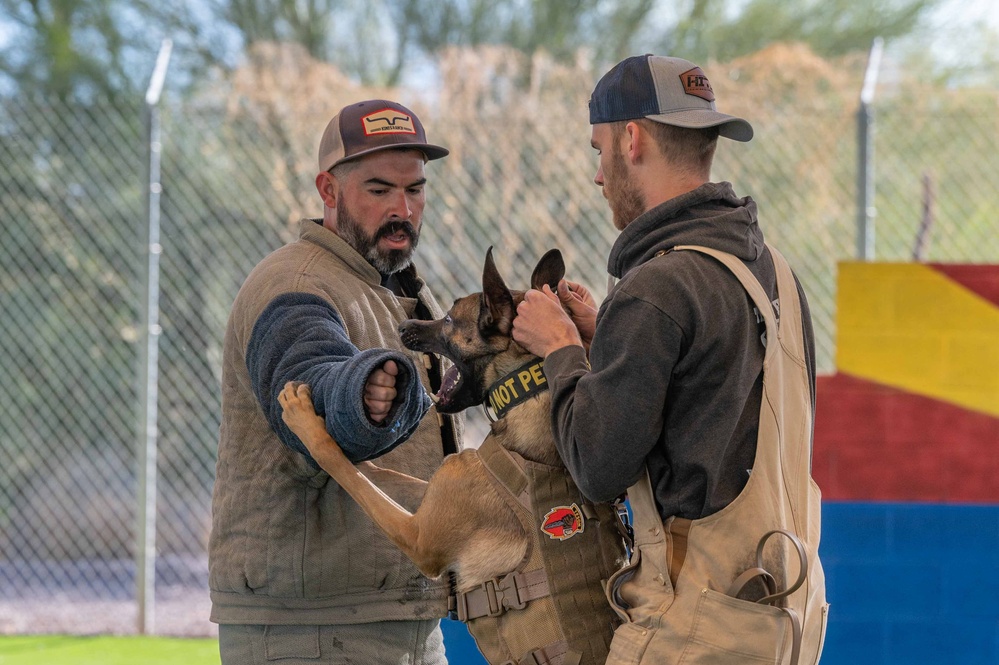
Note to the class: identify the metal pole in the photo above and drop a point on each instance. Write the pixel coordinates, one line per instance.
(145, 550)
(926, 223)
(866, 210)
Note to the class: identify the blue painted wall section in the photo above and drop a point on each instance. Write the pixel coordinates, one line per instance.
(909, 583)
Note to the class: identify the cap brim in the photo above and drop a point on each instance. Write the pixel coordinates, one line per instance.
(431, 151)
(728, 126)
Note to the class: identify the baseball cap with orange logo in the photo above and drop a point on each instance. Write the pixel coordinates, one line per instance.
(672, 91)
(373, 125)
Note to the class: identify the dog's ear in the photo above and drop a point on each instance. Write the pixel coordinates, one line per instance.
(550, 270)
(496, 303)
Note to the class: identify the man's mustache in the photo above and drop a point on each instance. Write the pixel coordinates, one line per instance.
(391, 228)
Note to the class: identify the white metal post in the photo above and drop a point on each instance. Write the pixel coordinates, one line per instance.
(145, 550)
(866, 211)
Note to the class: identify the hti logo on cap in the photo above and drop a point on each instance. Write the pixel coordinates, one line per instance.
(387, 121)
(696, 83)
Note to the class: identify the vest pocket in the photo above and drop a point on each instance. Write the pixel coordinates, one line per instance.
(822, 634)
(727, 630)
(291, 642)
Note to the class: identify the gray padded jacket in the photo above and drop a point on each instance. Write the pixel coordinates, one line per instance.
(288, 546)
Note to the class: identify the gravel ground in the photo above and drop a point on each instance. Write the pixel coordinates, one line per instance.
(97, 596)
(179, 612)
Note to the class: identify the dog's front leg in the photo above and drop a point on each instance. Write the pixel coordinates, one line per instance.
(398, 523)
(395, 482)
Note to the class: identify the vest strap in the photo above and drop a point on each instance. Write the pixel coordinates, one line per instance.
(503, 466)
(494, 597)
(678, 529)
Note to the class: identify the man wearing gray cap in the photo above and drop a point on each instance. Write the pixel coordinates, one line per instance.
(296, 570)
(691, 389)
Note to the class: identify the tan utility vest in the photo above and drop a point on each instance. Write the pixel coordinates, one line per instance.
(289, 545)
(677, 595)
(552, 609)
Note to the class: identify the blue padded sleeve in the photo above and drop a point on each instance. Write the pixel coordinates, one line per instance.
(301, 337)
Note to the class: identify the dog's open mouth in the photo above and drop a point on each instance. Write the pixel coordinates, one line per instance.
(450, 384)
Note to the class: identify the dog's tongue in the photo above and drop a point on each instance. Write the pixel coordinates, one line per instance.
(448, 384)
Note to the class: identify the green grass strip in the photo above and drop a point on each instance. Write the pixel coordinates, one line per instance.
(106, 650)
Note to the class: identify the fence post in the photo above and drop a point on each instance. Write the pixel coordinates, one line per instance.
(145, 550)
(866, 211)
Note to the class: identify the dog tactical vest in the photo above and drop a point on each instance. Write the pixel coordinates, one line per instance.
(683, 596)
(552, 609)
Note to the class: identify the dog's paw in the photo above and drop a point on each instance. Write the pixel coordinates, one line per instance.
(296, 404)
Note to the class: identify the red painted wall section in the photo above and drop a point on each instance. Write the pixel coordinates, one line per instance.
(912, 413)
(875, 443)
(983, 280)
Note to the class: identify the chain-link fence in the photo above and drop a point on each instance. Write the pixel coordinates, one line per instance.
(73, 261)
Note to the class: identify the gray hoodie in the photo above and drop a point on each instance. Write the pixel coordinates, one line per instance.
(675, 368)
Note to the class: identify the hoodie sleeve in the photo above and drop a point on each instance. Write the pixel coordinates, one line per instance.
(607, 419)
(301, 337)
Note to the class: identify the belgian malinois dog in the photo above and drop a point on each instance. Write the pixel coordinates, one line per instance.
(464, 525)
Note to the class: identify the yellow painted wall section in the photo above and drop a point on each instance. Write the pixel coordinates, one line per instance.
(911, 327)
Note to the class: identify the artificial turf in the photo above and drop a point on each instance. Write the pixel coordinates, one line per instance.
(106, 650)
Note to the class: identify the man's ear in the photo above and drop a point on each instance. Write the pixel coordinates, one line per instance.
(634, 141)
(550, 270)
(328, 188)
(496, 302)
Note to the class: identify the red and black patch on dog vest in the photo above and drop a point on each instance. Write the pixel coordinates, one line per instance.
(563, 522)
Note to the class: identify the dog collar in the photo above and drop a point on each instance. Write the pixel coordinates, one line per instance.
(521, 384)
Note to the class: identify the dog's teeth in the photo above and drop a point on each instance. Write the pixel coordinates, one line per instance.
(434, 397)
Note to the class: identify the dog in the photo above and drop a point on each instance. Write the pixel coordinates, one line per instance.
(466, 524)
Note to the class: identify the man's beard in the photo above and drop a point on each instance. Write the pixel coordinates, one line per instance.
(625, 200)
(385, 262)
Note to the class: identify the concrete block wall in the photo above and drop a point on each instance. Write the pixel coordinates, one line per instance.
(907, 456)
(911, 583)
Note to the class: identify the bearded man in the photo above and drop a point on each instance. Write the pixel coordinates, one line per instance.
(296, 570)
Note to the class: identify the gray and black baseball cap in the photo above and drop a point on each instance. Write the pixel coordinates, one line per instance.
(672, 91)
(369, 126)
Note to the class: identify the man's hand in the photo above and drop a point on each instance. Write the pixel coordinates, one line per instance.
(582, 309)
(541, 325)
(379, 391)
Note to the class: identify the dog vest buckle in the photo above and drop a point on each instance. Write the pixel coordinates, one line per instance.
(494, 597)
(510, 588)
(495, 604)
(481, 602)
(461, 606)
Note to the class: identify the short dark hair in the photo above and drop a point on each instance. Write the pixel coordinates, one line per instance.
(692, 150)
(343, 169)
